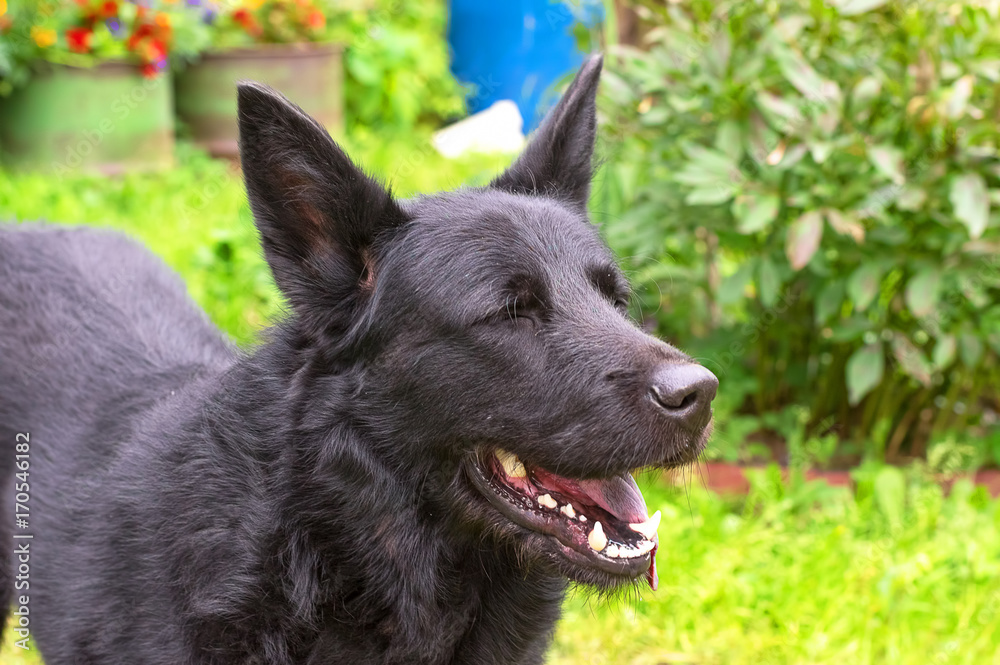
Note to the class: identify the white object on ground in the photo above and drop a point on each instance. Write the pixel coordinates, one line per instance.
(496, 129)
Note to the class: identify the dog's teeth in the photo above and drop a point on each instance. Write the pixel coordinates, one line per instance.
(582, 518)
(649, 527)
(512, 466)
(547, 501)
(641, 549)
(646, 546)
(598, 541)
(567, 510)
(613, 551)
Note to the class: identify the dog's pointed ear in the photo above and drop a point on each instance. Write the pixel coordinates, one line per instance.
(318, 214)
(557, 161)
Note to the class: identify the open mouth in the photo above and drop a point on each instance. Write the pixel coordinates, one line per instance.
(596, 523)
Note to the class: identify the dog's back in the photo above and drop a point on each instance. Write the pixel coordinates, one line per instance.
(89, 342)
(87, 316)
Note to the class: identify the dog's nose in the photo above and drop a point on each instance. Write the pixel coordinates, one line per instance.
(684, 393)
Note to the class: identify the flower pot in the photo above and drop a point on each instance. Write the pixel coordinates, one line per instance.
(311, 75)
(107, 119)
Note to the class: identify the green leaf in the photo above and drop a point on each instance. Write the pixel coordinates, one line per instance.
(729, 140)
(864, 371)
(922, 291)
(960, 93)
(710, 195)
(755, 212)
(709, 160)
(911, 198)
(889, 490)
(785, 114)
(911, 359)
(769, 282)
(971, 203)
(970, 348)
(810, 84)
(845, 224)
(820, 150)
(888, 160)
(802, 241)
(829, 300)
(850, 329)
(732, 288)
(865, 91)
(862, 286)
(944, 351)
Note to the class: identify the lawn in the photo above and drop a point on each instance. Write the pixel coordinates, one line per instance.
(892, 572)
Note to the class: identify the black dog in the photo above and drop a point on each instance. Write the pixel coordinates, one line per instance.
(406, 471)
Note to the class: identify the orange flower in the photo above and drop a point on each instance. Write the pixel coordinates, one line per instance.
(109, 9)
(44, 37)
(163, 19)
(316, 20)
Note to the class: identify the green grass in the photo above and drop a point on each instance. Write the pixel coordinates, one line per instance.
(893, 573)
(808, 576)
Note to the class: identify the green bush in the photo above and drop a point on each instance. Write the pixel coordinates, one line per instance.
(806, 191)
(397, 67)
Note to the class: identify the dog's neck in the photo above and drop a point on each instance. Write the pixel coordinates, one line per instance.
(415, 571)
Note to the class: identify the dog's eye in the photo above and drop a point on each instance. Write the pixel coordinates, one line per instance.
(608, 281)
(521, 309)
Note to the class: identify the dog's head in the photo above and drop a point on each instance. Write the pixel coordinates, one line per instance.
(487, 333)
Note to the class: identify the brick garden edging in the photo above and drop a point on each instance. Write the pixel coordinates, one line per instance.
(726, 478)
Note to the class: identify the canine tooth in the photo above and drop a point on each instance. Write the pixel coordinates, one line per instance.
(547, 501)
(567, 510)
(598, 541)
(512, 466)
(649, 527)
(613, 551)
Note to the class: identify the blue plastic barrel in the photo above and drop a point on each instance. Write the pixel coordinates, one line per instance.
(517, 49)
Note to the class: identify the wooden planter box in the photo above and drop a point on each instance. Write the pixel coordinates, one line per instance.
(310, 75)
(107, 119)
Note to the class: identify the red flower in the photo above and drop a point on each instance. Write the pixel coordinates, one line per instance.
(78, 39)
(109, 9)
(138, 35)
(246, 19)
(150, 70)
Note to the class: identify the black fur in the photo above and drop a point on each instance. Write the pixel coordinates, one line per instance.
(309, 502)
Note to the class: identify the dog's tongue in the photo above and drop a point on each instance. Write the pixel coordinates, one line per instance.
(619, 495)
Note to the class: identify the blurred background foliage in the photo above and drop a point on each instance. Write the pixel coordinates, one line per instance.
(397, 68)
(806, 194)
